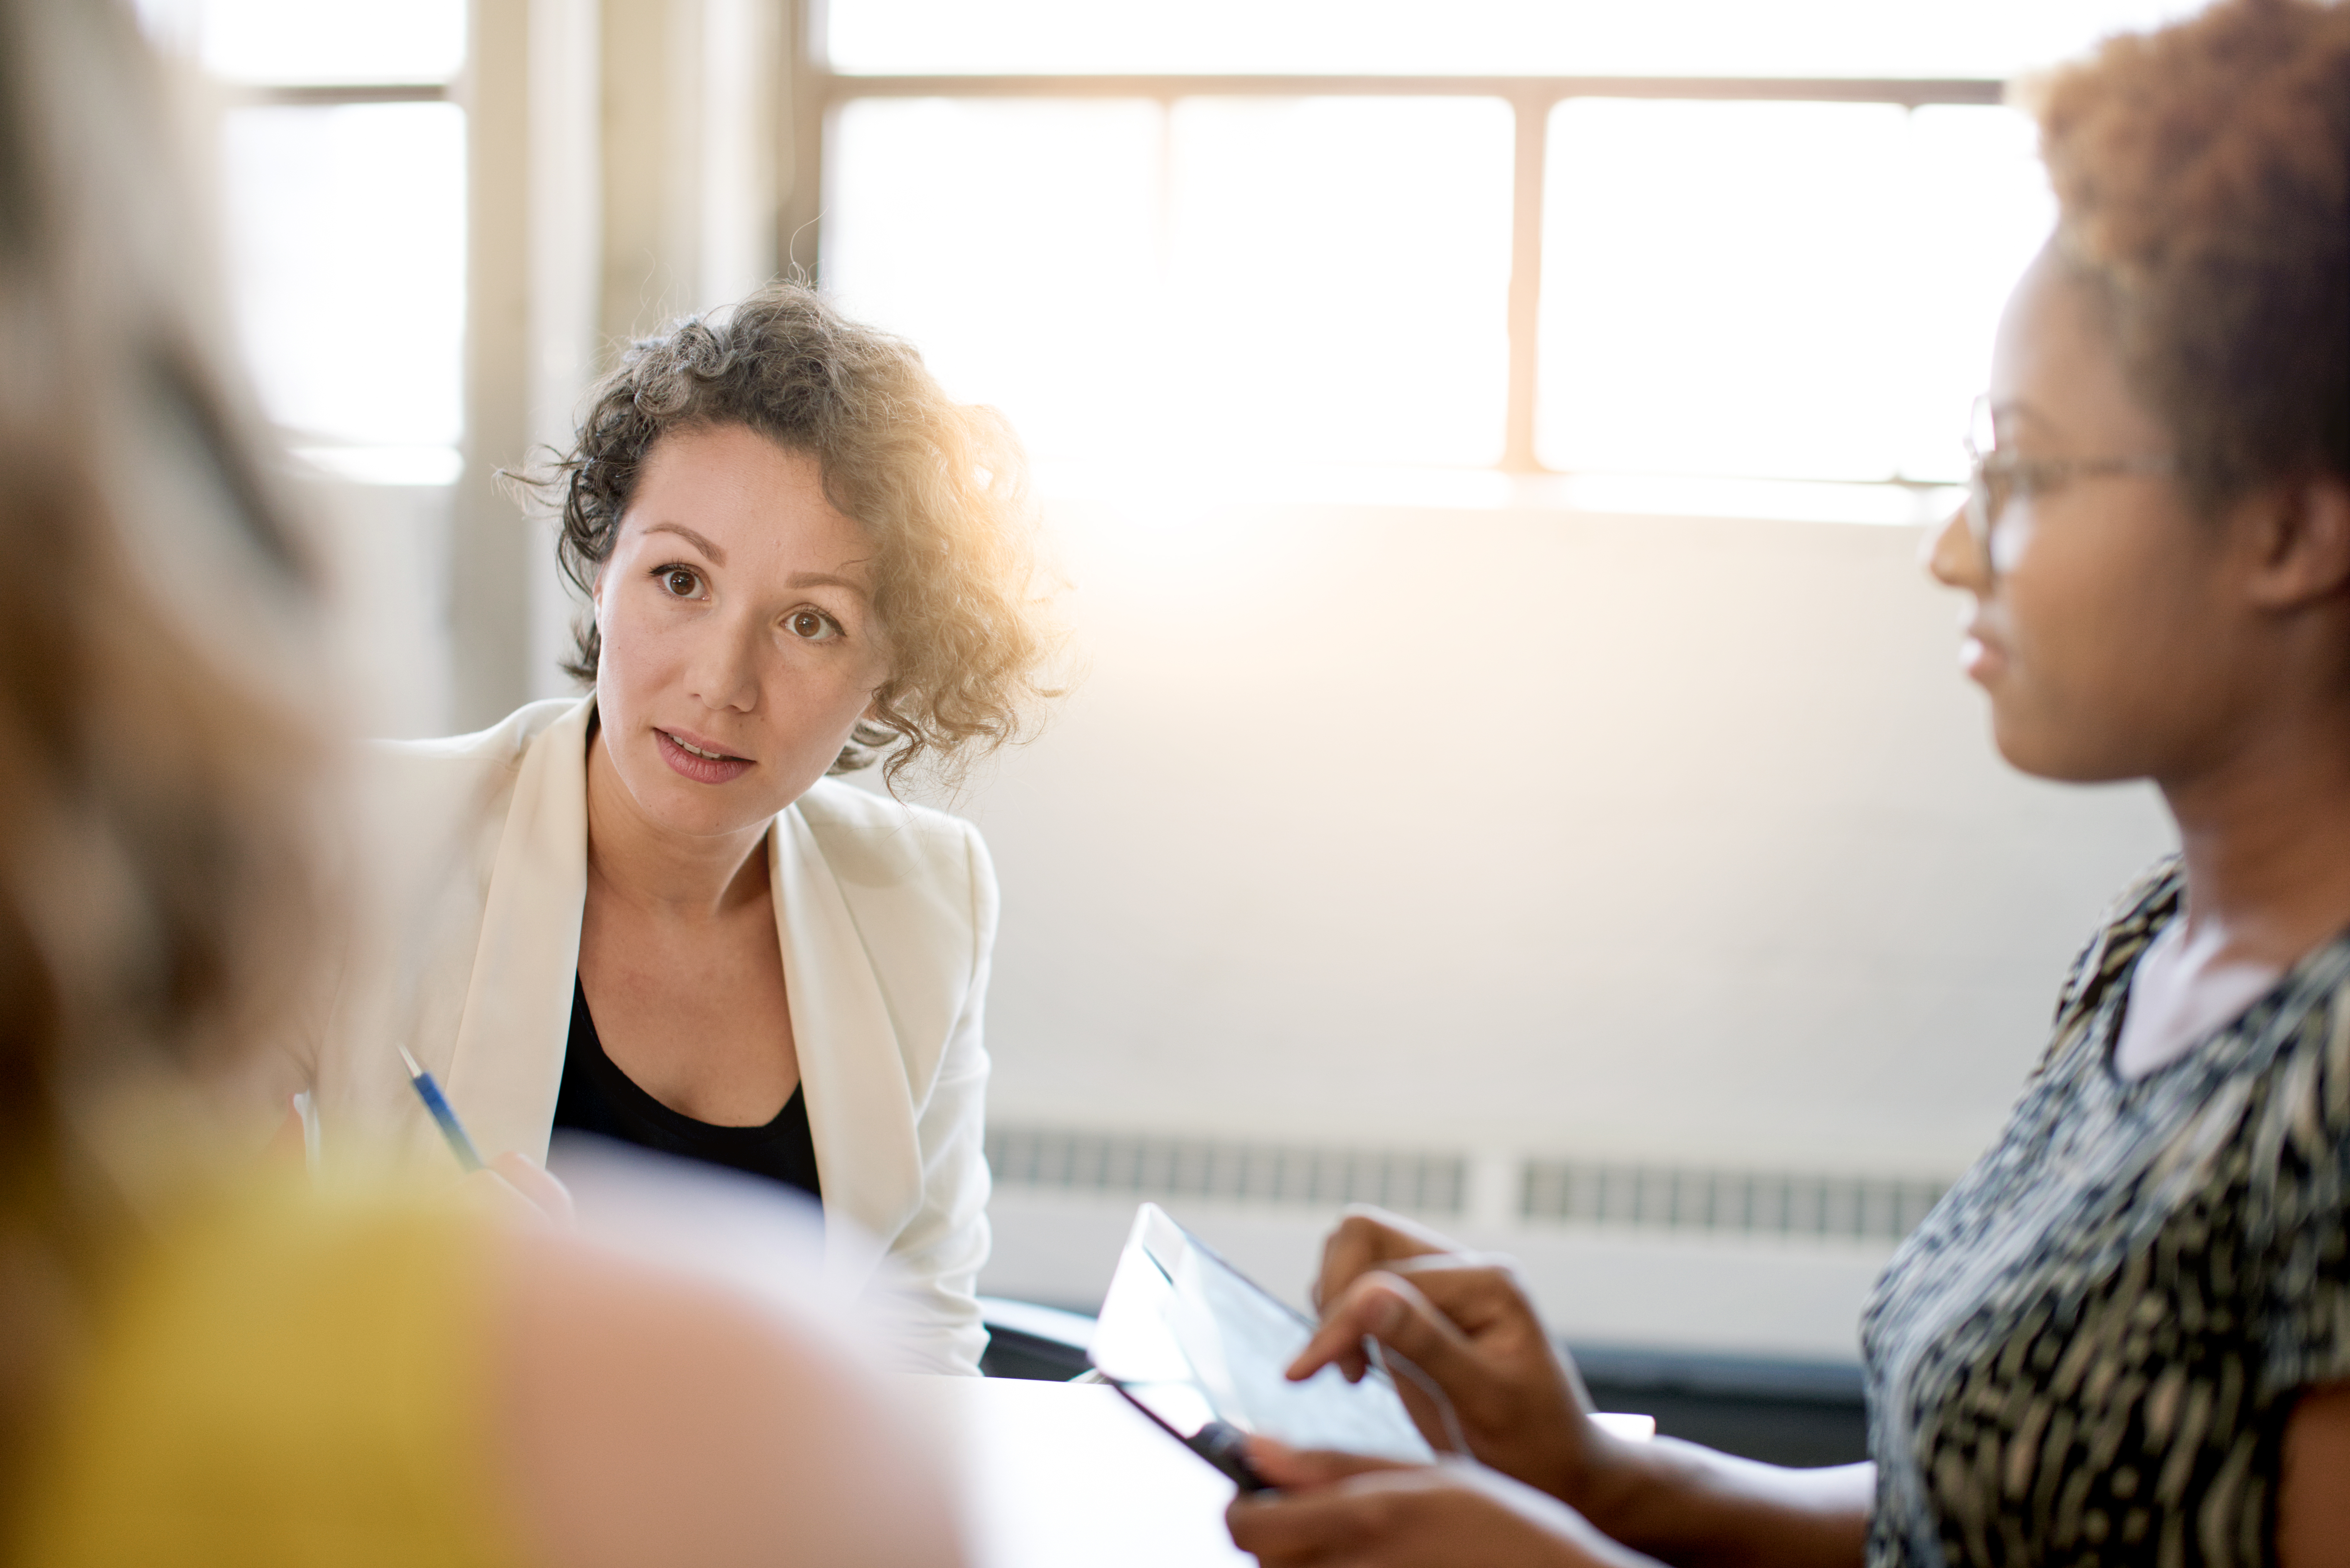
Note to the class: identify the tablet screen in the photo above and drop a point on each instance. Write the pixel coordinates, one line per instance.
(1196, 1340)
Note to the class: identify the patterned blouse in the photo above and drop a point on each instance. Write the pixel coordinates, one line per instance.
(2087, 1352)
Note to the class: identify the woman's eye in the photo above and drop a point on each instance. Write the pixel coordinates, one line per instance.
(2034, 480)
(681, 581)
(811, 625)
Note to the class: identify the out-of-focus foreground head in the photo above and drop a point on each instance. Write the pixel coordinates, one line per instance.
(156, 608)
(2202, 174)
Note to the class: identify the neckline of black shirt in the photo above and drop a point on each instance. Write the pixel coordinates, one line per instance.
(597, 1096)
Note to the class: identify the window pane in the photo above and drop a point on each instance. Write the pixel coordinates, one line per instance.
(346, 230)
(1716, 289)
(332, 41)
(1341, 277)
(1321, 280)
(1719, 38)
(1980, 208)
(1776, 290)
(1017, 243)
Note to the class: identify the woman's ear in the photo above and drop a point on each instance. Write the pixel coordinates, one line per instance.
(2302, 543)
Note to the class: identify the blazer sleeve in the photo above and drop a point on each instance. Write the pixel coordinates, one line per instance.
(938, 1255)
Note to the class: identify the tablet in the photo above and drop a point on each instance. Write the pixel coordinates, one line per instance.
(1197, 1342)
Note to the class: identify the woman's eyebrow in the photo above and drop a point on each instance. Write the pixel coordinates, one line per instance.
(717, 556)
(818, 580)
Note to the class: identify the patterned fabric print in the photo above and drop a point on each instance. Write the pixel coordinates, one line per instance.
(2087, 1352)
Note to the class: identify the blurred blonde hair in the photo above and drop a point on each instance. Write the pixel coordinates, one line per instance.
(158, 888)
(939, 487)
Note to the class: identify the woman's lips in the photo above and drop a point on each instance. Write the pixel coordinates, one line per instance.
(1981, 655)
(686, 755)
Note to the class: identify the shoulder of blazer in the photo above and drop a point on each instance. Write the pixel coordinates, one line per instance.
(455, 769)
(502, 744)
(917, 862)
(905, 839)
(417, 793)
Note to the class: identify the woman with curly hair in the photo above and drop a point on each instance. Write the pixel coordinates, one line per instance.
(2124, 1336)
(671, 928)
(205, 1359)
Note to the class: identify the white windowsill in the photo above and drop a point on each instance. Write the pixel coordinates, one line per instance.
(1415, 488)
(1489, 490)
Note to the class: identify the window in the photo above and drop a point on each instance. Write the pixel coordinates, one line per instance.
(1990, 39)
(1807, 289)
(342, 170)
(1129, 278)
(1738, 244)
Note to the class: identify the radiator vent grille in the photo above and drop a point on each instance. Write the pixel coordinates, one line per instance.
(1239, 1172)
(1872, 1208)
(1646, 1197)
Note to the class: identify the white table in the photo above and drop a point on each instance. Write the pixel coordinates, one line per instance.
(1070, 1476)
(1064, 1475)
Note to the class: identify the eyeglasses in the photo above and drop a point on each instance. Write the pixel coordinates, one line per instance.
(1997, 478)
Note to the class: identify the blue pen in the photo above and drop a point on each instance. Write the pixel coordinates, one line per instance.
(438, 1104)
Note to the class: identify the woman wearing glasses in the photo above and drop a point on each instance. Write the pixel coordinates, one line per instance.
(647, 913)
(2124, 1336)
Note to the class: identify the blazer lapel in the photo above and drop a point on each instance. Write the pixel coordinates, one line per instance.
(860, 1107)
(508, 1064)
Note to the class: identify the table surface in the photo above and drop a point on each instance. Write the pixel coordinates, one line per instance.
(1066, 1475)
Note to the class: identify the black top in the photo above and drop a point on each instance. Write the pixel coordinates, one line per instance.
(598, 1098)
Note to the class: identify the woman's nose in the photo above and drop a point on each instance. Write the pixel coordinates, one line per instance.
(1951, 554)
(724, 672)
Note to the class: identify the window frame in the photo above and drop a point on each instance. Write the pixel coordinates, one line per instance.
(333, 95)
(817, 92)
(236, 95)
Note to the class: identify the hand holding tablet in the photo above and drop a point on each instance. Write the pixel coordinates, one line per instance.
(1211, 1357)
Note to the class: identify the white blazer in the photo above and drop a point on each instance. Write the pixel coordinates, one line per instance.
(886, 916)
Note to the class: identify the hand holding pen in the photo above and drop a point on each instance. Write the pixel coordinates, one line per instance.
(512, 1171)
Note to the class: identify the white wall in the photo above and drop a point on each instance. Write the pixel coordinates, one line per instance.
(1520, 832)
(1556, 832)
(1619, 1288)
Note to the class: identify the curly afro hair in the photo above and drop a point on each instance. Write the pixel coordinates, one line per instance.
(2202, 176)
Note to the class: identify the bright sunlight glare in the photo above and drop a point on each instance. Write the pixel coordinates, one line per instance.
(1684, 37)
